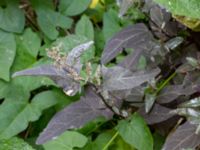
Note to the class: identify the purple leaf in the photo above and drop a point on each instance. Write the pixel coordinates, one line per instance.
(162, 24)
(136, 37)
(184, 137)
(156, 115)
(75, 115)
(189, 86)
(77, 51)
(45, 70)
(118, 78)
(59, 76)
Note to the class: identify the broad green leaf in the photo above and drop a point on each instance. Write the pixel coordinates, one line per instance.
(7, 54)
(12, 18)
(99, 142)
(188, 8)
(104, 138)
(67, 141)
(48, 19)
(85, 28)
(31, 42)
(111, 24)
(14, 144)
(28, 45)
(73, 8)
(15, 114)
(2, 89)
(136, 133)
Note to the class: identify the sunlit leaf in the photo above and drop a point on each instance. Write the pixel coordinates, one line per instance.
(14, 143)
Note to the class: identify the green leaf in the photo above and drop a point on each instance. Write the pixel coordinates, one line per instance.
(2, 89)
(67, 141)
(31, 42)
(188, 8)
(12, 18)
(15, 114)
(100, 142)
(73, 8)
(158, 141)
(136, 133)
(7, 55)
(14, 144)
(48, 19)
(85, 28)
(111, 24)
(28, 46)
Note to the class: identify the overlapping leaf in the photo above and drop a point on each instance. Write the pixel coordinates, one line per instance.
(136, 133)
(7, 55)
(189, 86)
(182, 138)
(12, 17)
(85, 28)
(72, 8)
(136, 36)
(156, 115)
(14, 143)
(61, 76)
(48, 19)
(67, 141)
(118, 78)
(161, 23)
(75, 115)
(188, 8)
(15, 115)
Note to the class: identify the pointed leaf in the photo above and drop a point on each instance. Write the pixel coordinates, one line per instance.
(85, 28)
(118, 78)
(156, 115)
(48, 19)
(136, 133)
(45, 70)
(15, 115)
(77, 51)
(75, 115)
(183, 137)
(136, 37)
(59, 76)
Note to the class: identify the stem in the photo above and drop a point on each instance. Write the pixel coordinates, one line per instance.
(111, 140)
(165, 82)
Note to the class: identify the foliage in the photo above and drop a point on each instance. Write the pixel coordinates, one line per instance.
(100, 74)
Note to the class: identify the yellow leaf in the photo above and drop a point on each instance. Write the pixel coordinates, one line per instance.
(193, 24)
(94, 3)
